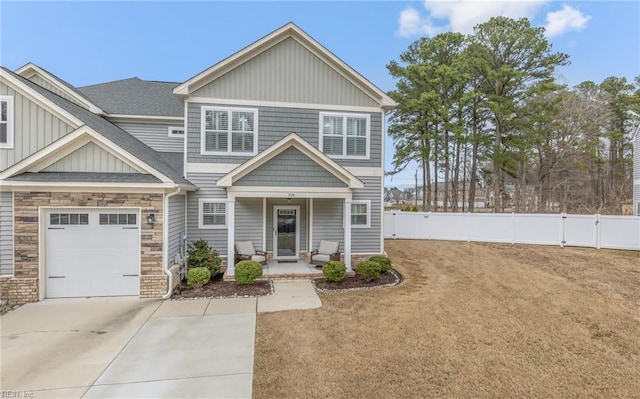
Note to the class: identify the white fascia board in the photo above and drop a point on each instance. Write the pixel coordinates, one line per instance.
(32, 69)
(211, 73)
(41, 100)
(288, 192)
(40, 156)
(292, 140)
(281, 104)
(84, 186)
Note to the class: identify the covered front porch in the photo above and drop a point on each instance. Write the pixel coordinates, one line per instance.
(288, 229)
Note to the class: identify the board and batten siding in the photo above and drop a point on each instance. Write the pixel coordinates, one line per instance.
(6, 233)
(90, 158)
(302, 203)
(291, 168)
(249, 221)
(367, 240)
(176, 227)
(286, 72)
(42, 82)
(34, 128)
(155, 135)
(206, 183)
(275, 123)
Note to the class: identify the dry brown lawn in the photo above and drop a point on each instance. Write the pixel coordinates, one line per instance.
(471, 320)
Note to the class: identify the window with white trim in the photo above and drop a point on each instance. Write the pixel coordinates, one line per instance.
(176, 131)
(361, 214)
(231, 131)
(212, 213)
(345, 135)
(6, 122)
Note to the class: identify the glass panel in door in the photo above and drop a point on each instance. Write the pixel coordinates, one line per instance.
(286, 233)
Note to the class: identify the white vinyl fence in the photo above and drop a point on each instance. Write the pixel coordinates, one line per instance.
(597, 231)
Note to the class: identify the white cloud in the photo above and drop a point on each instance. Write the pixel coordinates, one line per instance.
(561, 21)
(463, 15)
(411, 23)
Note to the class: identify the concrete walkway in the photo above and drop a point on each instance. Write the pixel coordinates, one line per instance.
(127, 347)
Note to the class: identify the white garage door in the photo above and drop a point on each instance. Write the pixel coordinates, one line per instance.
(92, 252)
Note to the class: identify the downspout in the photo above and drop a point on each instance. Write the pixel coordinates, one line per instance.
(165, 240)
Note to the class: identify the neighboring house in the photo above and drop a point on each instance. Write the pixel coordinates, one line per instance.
(281, 143)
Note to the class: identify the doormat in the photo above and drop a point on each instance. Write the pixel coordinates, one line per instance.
(287, 261)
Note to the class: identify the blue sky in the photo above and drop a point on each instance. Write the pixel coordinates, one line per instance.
(93, 42)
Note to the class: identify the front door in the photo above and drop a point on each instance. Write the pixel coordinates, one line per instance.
(286, 232)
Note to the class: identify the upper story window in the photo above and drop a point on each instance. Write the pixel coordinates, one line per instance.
(6, 122)
(230, 131)
(345, 135)
(176, 131)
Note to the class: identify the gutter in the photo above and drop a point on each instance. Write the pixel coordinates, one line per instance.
(165, 246)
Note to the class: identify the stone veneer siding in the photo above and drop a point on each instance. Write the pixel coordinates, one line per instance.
(23, 286)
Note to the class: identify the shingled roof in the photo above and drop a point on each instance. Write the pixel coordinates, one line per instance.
(135, 96)
(110, 131)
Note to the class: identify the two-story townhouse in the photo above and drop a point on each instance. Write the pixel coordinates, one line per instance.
(281, 144)
(286, 145)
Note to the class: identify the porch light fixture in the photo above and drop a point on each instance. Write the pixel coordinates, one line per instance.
(151, 219)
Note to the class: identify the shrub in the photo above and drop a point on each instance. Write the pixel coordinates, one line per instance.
(369, 270)
(410, 208)
(334, 271)
(247, 271)
(202, 255)
(198, 276)
(383, 261)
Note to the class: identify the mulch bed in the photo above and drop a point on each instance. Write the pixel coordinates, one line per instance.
(7, 307)
(387, 279)
(216, 288)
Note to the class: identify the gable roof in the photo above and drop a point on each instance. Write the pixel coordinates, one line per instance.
(96, 125)
(135, 96)
(292, 140)
(289, 30)
(30, 69)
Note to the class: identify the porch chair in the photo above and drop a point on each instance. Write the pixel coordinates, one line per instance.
(246, 251)
(328, 250)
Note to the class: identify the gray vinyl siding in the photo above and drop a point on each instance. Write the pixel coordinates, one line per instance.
(249, 221)
(291, 168)
(90, 158)
(286, 72)
(34, 128)
(302, 203)
(206, 183)
(40, 81)
(155, 135)
(367, 240)
(274, 123)
(328, 222)
(6, 233)
(176, 224)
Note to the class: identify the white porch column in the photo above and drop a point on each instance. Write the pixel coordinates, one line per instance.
(310, 210)
(231, 234)
(347, 233)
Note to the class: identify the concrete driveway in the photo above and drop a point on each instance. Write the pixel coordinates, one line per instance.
(128, 347)
(136, 348)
